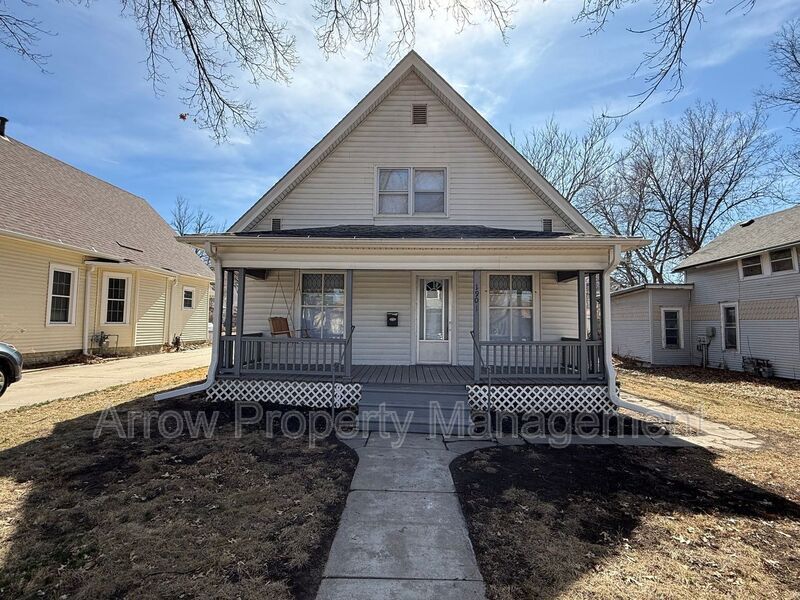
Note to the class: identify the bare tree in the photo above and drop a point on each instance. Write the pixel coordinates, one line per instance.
(188, 219)
(217, 38)
(574, 163)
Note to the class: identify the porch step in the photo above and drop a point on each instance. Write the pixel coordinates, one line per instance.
(384, 407)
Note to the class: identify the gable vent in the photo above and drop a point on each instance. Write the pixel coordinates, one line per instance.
(419, 114)
(547, 225)
(276, 224)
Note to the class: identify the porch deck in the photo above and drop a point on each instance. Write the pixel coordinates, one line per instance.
(429, 375)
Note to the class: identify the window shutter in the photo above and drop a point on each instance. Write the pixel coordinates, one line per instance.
(419, 114)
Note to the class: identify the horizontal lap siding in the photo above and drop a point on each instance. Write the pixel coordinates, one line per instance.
(194, 322)
(630, 326)
(374, 294)
(482, 190)
(559, 308)
(464, 353)
(269, 298)
(23, 297)
(674, 299)
(151, 308)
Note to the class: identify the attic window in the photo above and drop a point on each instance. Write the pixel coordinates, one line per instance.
(547, 225)
(419, 114)
(276, 224)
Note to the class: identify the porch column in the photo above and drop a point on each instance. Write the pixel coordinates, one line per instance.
(584, 354)
(476, 325)
(239, 320)
(348, 319)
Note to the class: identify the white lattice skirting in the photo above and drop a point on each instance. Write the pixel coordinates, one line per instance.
(542, 398)
(314, 394)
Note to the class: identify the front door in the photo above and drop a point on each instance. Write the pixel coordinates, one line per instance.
(433, 320)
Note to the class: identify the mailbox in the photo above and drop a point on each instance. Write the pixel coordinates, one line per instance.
(392, 319)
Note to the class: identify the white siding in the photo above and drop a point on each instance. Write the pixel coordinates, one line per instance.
(270, 298)
(559, 308)
(374, 294)
(481, 189)
(661, 298)
(151, 308)
(631, 326)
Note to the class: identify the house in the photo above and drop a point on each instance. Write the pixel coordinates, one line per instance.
(88, 267)
(739, 308)
(413, 251)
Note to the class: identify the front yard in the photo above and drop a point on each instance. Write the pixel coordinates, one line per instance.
(611, 522)
(109, 517)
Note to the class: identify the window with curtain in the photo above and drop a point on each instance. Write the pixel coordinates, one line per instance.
(393, 191)
(322, 310)
(510, 308)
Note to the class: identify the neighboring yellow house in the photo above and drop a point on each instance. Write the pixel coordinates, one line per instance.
(86, 267)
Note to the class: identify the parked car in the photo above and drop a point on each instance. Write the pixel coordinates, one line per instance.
(10, 366)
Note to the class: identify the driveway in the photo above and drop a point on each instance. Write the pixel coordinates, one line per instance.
(43, 385)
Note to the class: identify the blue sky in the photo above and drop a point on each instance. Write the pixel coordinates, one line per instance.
(95, 109)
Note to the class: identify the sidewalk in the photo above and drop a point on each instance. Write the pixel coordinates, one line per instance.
(43, 385)
(402, 535)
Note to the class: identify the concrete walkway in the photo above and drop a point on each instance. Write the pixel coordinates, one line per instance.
(43, 385)
(402, 535)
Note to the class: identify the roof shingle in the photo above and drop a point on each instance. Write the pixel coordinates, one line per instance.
(47, 199)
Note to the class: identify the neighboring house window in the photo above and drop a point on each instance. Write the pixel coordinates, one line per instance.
(188, 297)
(61, 298)
(730, 326)
(116, 289)
(510, 308)
(411, 191)
(672, 328)
(322, 310)
(751, 266)
(781, 260)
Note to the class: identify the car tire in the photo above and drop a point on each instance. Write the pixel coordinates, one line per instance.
(5, 378)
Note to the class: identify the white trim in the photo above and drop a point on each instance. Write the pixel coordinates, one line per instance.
(104, 301)
(766, 264)
(679, 310)
(793, 254)
(188, 288)
(410, 209)
(535, 307)
(298, 309)
(452, 324)
(73, 294)
(722, 307)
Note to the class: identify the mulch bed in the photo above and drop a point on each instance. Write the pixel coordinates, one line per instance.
(610, 522)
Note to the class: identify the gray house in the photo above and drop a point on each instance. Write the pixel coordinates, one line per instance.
(739, 307)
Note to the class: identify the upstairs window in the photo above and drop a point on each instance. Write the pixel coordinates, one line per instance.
(411, 191)
(781, 260)
(61, 301)
(751, 266)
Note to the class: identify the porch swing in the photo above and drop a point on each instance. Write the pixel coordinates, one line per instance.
(282, 326)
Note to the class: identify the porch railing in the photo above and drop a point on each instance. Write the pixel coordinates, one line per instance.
(254, 354)
(532, 360)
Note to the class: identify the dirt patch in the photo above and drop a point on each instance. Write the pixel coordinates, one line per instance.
(611, 522)
(154, 517)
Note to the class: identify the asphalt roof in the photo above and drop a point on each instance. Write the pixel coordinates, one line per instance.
(454, 232)
(770, 231)
(45, 198)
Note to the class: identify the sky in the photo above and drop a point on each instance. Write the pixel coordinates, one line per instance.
(95, 110)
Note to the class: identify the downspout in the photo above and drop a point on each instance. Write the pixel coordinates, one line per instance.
(87, 290)
(212, 368)
(615, 255)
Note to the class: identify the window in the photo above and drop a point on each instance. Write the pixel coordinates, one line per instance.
(412, 191)
(730, 326)
(510, 308)
(428, 191)
(393, 191)
(322, 310)
(672, 328)
(61, 299)
(188, 297)
(115, 299)
(751, 266)
(781, 260)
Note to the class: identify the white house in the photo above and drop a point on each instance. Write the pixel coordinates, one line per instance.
(414, 248)
(738, 309)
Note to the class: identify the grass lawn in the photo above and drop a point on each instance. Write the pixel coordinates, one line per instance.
(109, 517)
(612, 522)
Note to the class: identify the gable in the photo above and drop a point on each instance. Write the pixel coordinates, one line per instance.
(488, 181)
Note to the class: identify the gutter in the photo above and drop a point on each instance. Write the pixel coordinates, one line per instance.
(615, 255)
(212, 368)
